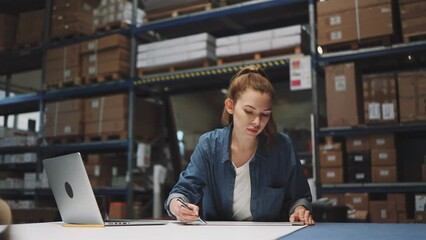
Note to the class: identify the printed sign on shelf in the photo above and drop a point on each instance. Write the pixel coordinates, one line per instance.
(300, 73)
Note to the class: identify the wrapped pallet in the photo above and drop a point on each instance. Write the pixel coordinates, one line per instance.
(115, 13)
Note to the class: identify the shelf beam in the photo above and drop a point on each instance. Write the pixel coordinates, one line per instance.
(398, 187)
(366, 130)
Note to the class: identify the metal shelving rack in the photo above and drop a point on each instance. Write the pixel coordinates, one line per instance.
(401, 51)
(245, 17)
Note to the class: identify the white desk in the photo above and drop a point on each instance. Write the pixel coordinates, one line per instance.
(47, 231)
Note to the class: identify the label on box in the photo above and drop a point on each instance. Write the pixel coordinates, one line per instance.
(374, 111)
(331, 174)
(357, 200)
(67, 129)
(92, 70)
(95, 103)
(67, 73)
(380, 141)
(97, 170)
(357, 142)
(92, 57)
(420, 202)
(388, 111)
(383, 213)
(331, 158)
(340, 83)
(114, 171)
(300, 73)
(91, 45)
(359, 158)
(359, 176)
(335, 20)
(383, 155)
(384, 173)
(336, 35)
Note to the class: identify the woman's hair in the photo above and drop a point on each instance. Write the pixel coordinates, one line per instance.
(250, 77)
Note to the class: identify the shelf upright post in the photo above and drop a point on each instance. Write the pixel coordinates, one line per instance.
(130, 150)
(315, 101)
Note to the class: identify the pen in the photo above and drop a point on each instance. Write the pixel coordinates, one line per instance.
(187, 207)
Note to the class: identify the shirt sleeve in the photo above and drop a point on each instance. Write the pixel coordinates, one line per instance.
(192, 179)
(299, 191)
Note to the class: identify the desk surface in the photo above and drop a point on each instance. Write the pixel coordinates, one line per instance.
(329, 231)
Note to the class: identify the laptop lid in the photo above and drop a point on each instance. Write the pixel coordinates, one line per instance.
(74, 195)
(72, 190)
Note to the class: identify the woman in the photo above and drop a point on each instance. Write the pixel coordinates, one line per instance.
(246, 170)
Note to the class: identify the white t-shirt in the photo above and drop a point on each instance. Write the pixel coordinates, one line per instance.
(242, 193)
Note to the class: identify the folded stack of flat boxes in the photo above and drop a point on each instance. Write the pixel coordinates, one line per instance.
(193, 49)
(261, 42)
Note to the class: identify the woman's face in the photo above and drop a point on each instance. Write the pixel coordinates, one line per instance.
(251, 112)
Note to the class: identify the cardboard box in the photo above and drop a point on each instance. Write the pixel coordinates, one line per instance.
(30, 28)
(335, 199)
(383, 157)
(382, 174)
(342, 93)
(399, 199)
(331, 175)
(331, 158)
(359, 159)
(382, 141)
(382, 212)
(412, 95)
(8, 27)
(357, 143)
(358, 174)
(415, 9)
(380, 104)
(333, 6)
(358, 201)
(111, 41)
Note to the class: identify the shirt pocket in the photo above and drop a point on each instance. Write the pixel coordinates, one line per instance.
(273, 199)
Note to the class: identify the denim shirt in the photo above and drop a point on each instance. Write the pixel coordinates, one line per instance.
(278, 183)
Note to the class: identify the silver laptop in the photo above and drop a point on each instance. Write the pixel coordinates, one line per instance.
(74, 195)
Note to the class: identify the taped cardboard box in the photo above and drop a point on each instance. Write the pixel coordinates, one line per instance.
(380, 103)
(111, 41)
(357, 143)
(331, 158)
(383, 157)
(330, 175)
(358, 174)
(383, 174)
(358, 201)
(382, 141)
(344, 106)
(333, 6)
(412, 95)
(382, 212)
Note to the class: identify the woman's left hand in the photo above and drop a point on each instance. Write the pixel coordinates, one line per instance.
(303, 215)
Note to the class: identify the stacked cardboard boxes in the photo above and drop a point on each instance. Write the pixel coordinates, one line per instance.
(30, 28)
(331, 162)
(358, 159)
(63, 66)
(108, 116)
(412, 17)
(383, 158)
(7, 30)
(179, 51)
(105, 56)
(72, 18)
(261, 41)
(380, 98)
(355, 20)
(343, 93)
(101, 168)
(412, 95)
(115, 12)
(64, 118)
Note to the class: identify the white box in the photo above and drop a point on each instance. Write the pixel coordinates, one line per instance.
(177, 41)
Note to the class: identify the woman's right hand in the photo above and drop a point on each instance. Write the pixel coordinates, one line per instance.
(182, 213)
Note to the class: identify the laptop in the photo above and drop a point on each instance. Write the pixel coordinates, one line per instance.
(74, 195)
